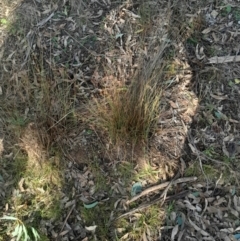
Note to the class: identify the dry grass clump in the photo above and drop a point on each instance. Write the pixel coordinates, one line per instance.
(36, 107)
(38, 95)
(129, 114)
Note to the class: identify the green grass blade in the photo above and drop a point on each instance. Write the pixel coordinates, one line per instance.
(20, 232)
(26, 237)
(16, 230)
(9, 218)
(35, 234)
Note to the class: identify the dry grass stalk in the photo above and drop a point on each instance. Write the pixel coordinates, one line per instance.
(129, 113)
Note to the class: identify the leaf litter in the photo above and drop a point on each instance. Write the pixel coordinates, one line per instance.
(91, 54)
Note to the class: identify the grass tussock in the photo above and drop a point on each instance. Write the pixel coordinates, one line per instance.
(143, 224)
(34, 197)
(38, 95)
(36, 107)
(130, 114)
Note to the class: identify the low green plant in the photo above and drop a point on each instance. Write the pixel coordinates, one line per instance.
(236, 14)
(99, 176)
(227, 159)
(211, 51)
(226, 10)
(148, 173)
(146, 222)
(170, 207)
(99, 216)
(3, 21)
(194, 170)
(125, 171)
(210, 152)
(145, 11)
(35, 197)
(21, 231)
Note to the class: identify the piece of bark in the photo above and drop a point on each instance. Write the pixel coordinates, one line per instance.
(223, 59)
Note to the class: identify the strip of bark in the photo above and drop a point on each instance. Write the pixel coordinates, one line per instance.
(223, 59)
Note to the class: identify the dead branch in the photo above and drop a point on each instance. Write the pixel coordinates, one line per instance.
(161, 186)
(143, 206)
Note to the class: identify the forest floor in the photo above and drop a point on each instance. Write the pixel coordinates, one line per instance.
(119, 120)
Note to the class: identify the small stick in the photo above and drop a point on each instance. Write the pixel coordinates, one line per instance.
(65, 221)
(173, 197)
(161, 186)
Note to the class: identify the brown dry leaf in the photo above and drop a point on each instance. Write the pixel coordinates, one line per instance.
(193, 149)
(45, 20)
(20, 184)
(131, 14)
(189, 205)
(64, 233)
(204, 233)
(207, 30)
(173, 105)
(236, 201)
(125, 236)
(70, 203)
(219, 201)
(199, 53)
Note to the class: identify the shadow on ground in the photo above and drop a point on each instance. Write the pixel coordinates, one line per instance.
(206, 90)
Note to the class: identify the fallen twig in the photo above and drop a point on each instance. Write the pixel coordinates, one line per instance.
(65, 221)
(170, 198)
(161, 186)
(203, 156)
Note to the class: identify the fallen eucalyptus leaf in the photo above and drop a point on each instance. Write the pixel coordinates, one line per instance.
(119, 35)
(136, 189)
(179, 220)
(228, 8)
(220, 115)
(91, 205)
(174, 232)
(237, 236)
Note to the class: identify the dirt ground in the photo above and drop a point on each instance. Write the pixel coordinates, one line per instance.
(60, 171)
